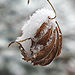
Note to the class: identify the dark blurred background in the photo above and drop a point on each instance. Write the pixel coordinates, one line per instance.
(13, 15)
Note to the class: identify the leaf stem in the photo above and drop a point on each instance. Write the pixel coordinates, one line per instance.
(52, 8)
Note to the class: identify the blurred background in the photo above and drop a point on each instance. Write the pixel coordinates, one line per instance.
(13, 15)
